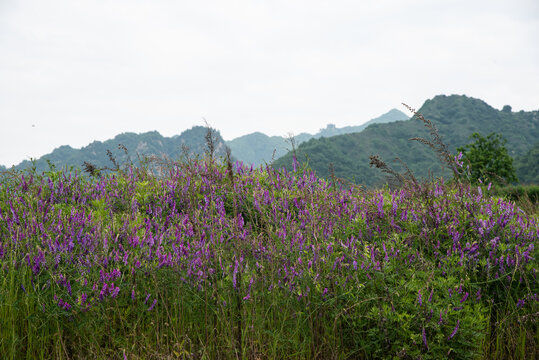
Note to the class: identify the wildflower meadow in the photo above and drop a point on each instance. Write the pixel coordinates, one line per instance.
(206, 259)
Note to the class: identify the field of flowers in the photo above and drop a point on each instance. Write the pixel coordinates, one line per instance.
(209, 261)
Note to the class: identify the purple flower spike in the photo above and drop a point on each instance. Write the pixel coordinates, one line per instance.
(153, 305)
(454, 330)
(419, 300)
(423, 333)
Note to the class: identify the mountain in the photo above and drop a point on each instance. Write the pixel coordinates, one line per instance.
(391, 116)
(455, 116)
(146, 144)
(258, 148)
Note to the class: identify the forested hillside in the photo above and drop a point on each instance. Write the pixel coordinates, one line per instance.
(255, 148)
(456, 118)
(258, 148)
(190, 142)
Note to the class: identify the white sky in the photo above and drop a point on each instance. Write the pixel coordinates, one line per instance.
(88, 70)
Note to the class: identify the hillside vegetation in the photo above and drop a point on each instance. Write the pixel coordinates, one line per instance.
(255, 148)
(189, 143)
(258, 148)
(456, 118)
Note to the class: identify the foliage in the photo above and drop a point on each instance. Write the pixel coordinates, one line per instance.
(526, 196)
(258, 148)
(488, 160)
(203, 259)
(527, 166)
(456, 118)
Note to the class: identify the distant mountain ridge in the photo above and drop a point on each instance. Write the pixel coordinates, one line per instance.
(347, 149)
(455, 116)
(389, 117)
(257, 148)
(145, 144)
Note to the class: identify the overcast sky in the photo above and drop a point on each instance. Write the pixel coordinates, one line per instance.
(76, 71)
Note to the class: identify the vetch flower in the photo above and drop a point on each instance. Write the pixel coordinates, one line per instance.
(478, 295)
(153, 305)
(454, 330)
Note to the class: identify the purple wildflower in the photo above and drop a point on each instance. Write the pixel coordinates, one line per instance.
(234, 281)
(454, 330)
(153, 305)
(115, 291)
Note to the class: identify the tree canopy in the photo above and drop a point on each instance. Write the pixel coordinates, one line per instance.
(488, 159)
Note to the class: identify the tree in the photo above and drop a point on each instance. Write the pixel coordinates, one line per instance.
(526, 166)
(488, 159)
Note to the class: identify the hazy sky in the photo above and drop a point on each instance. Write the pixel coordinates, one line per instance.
(76, 71)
